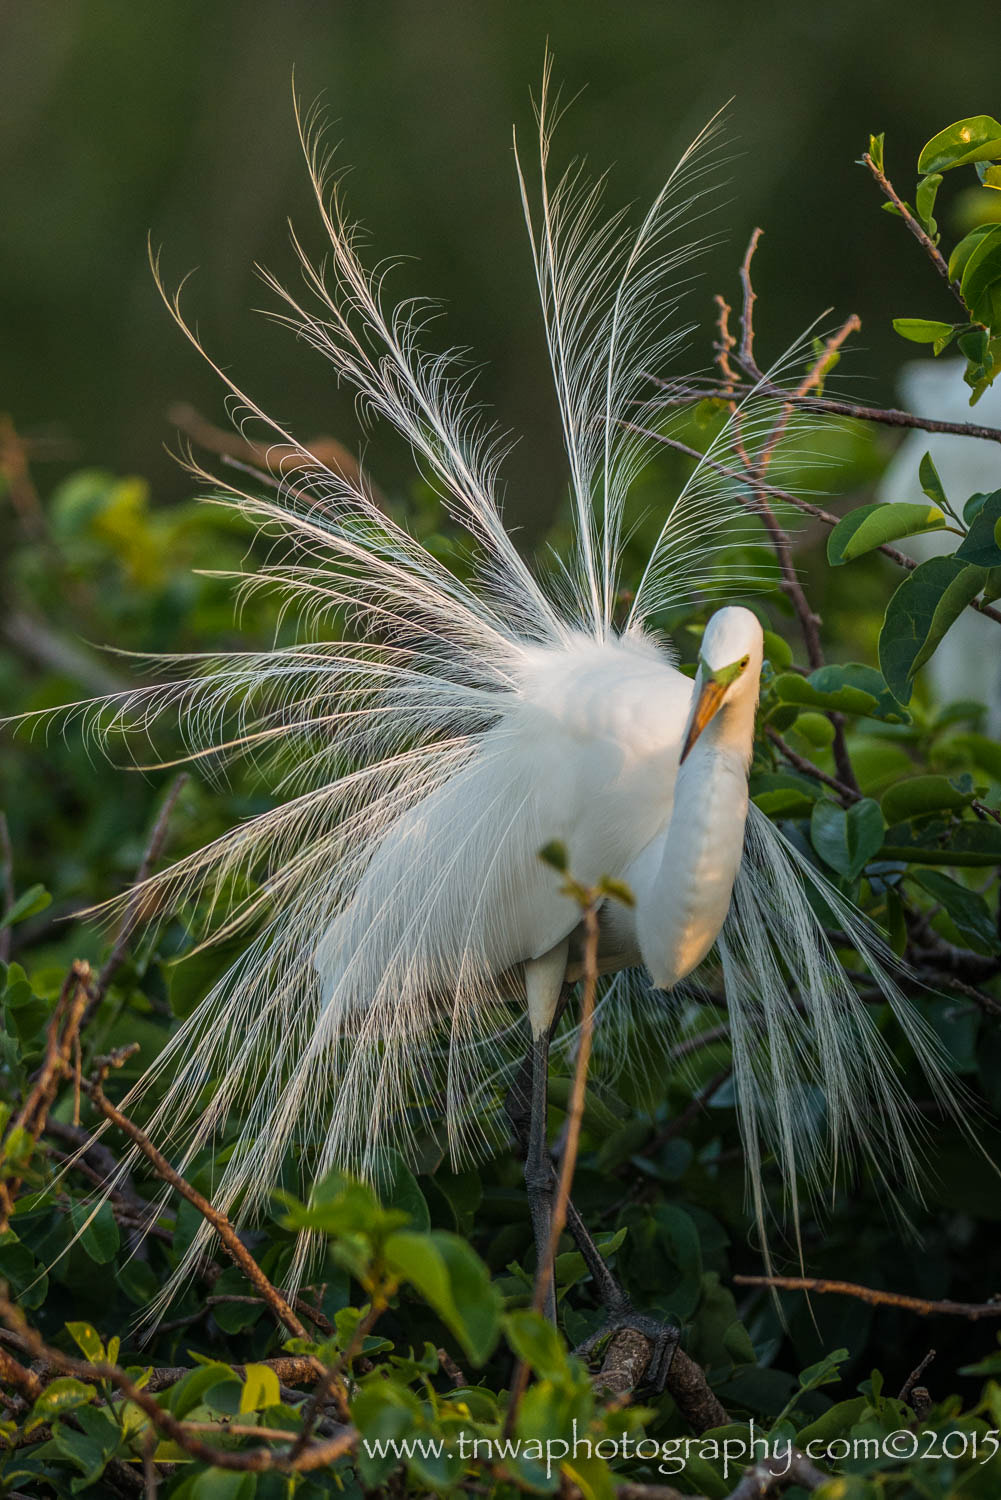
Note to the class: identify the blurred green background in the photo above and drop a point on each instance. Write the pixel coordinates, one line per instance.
(117, 119)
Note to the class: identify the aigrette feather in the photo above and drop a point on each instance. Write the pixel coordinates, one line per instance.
(367, 741)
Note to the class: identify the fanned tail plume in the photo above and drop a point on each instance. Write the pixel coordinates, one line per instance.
(377, 979)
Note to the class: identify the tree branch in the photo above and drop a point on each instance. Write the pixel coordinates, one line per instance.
(877, 1297)
(927, 244)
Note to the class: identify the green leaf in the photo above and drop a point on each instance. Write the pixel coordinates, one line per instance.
(260, 1388)
(387, 1413)
(555, 855)
(342, 1207)
(855, 674)
(571, 1266)
(88, 1340)
(535, 1340)
(223, 1484)
(876, 144)
(777, 650)
(400, 1190)
(97, 1229)
(453, 1279)
(871, 526)
(835, 1422)
(974, 505)
(965, 248)
(192, 1388)
(850, 688)
(924, 201)
(62, 1395)
(969, 911)
(784, 793)
(931, 483)
(921, 330)
(980, 285)
(920, 613)
(846, 839)
(792, 688)
(35, 899)
(981, 545)
(963, 845)
(90, 1448)
(816, 728)
(824, 1372)
(977, 138)
(916, 796)
(618, 890)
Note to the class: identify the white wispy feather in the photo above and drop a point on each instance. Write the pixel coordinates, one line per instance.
(392, 892)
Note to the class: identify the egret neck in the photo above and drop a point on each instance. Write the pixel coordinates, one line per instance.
(680, 914)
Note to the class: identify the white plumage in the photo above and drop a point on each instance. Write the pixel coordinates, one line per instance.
(395, 905)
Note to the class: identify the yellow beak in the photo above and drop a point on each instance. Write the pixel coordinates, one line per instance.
(709, 700)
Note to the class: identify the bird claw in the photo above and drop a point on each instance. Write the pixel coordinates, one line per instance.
(664, 1337)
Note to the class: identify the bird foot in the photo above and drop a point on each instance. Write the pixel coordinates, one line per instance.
(663, 1337)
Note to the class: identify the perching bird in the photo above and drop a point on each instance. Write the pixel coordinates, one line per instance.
(433, 729)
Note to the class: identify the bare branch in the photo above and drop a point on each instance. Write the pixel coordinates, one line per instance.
(228, 1236)
(877, 1297)
(63, 1030)
(927, 244)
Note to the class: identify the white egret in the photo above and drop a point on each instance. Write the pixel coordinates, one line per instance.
(462, 719)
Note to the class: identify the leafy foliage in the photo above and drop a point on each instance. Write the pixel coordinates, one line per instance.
(421, 1303)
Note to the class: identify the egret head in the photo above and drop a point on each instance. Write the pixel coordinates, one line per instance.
(730, 660)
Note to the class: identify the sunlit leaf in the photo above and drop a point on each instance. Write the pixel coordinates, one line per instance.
(977, 138)
(872, 526)
(921, 330)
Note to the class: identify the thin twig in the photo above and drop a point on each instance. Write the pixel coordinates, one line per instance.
(575, 1116)
(750, 297)
(807, 768)
(575, 1113)
(228, 1236)
(927, 244)
(63, 1029)
(757, 473)
(807, 507)
(278, 459)
(877, 1297)
(681, 393)
(330, 1380)
(318, 1455)
(915, 1375)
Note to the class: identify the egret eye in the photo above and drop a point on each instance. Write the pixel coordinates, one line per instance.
(743, 662)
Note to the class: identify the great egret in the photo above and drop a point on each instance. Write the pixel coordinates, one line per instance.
(434, 728)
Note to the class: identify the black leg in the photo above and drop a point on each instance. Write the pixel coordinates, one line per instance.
(539, 1177)
(527, 1109)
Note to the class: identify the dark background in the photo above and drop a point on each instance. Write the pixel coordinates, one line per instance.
(175, 119)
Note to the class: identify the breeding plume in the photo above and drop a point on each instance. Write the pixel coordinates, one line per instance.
(433, 728)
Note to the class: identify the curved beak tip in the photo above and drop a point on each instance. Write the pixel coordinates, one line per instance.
(707, 705)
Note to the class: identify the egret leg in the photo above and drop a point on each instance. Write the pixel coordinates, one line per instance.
(527, 1108)
(544, 993)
